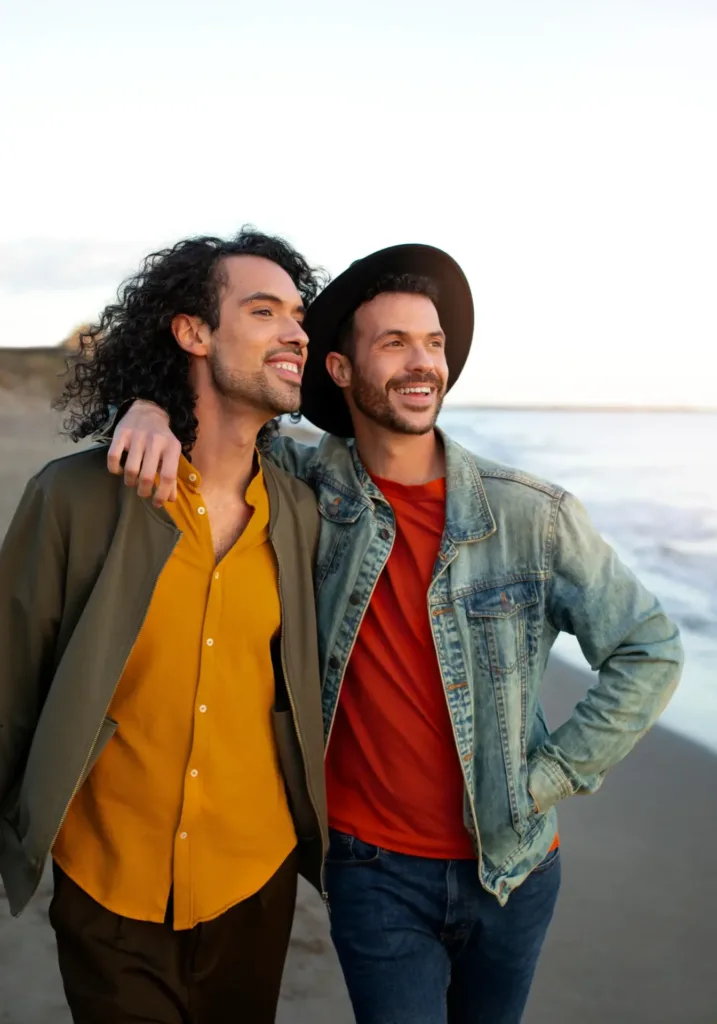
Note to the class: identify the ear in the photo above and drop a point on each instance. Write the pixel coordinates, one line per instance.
(191, 334)
(339, 369)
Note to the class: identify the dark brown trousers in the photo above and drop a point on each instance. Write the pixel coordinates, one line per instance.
(228, 971)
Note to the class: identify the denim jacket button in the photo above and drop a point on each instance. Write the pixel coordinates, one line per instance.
(354, 599)
(384, 534)
(333, 662)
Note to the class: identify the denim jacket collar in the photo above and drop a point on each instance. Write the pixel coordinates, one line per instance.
(348, 489)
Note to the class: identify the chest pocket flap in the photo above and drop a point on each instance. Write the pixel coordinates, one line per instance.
(500, 622)
(503, 601)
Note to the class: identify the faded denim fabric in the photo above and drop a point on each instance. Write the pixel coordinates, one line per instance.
(519, 562)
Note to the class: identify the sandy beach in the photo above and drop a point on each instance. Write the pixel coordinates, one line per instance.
(635, 934)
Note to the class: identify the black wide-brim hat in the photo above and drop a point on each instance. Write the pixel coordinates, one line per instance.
(322, 401)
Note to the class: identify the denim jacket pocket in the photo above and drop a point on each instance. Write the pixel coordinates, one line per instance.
(500, 620)
(338, 514)
(499, 623)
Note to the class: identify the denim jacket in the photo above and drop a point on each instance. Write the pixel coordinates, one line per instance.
(519, 562)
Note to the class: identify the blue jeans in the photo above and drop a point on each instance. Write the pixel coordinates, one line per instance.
(421, 942)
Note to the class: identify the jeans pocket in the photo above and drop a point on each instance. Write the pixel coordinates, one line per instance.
(349, 850)
(547, 862)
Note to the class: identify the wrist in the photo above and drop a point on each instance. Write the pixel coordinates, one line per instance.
(146, 403)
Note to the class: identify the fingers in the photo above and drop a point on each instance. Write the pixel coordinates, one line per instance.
(140, 467)
(168, 469)
(146, 452)
(149, 459)
(120, 444)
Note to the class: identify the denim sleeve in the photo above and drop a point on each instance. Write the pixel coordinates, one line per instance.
(293, 457)
(625, 636)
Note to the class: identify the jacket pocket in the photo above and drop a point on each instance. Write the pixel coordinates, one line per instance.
(107, 731)
(291, 762)
(501, 620)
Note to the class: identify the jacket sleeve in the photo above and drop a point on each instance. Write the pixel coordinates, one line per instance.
(32, 572)
(293, 457)
(625, 636)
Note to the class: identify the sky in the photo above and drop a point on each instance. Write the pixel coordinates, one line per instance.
(564, 152)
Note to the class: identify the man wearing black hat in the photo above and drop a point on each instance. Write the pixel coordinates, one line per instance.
(442, 581)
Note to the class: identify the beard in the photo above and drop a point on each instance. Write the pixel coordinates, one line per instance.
(256, 390)
(374, 402)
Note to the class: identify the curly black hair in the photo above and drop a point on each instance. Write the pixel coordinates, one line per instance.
(131, 352)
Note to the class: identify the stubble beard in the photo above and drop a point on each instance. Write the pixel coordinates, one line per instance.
(375, 404)
(255, 390)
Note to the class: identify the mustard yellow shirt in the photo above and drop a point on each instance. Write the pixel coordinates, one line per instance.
(188, 792)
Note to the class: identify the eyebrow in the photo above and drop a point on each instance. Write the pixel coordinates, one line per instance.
(268, 297)
(407, 334)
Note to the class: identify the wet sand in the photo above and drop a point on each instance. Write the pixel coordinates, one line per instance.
(635, 934)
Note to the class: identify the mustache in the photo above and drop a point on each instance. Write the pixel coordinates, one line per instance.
(416, 378)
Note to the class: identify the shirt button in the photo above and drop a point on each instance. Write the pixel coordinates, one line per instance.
(182, 835)
(201, 510)
(210, 642)
(194, 773)
(203, 708)
(216, 575)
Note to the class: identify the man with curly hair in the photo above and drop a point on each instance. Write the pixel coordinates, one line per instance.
(442, 581)
(160, 721)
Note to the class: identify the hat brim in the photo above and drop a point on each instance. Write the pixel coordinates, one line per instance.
(322, 401)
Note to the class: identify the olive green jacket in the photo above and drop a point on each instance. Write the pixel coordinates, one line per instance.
(78, 568)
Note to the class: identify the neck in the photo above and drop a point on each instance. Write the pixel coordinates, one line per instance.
(225, 445)
(410, 459)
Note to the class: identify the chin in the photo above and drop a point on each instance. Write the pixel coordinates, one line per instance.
(417, 426)
(418, 429)
(282, 404)
(420, 422)
(285, 410)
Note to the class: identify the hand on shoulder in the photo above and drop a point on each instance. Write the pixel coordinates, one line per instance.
(146, 452)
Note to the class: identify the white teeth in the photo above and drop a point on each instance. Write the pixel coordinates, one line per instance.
(291, 367)
(414, 391)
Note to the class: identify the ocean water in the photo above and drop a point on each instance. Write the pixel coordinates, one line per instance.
(649, 482)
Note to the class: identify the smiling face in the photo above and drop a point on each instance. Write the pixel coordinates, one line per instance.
(395, 372)
(257, 352)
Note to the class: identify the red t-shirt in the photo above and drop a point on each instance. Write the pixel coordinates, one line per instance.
(392, 769)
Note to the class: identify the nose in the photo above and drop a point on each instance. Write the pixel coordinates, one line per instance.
(294, 334)
(421, 359)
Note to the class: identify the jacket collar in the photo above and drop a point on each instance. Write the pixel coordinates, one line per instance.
(346, 488)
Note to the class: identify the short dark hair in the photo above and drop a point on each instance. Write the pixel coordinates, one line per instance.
(397, 284)
(131, 352)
